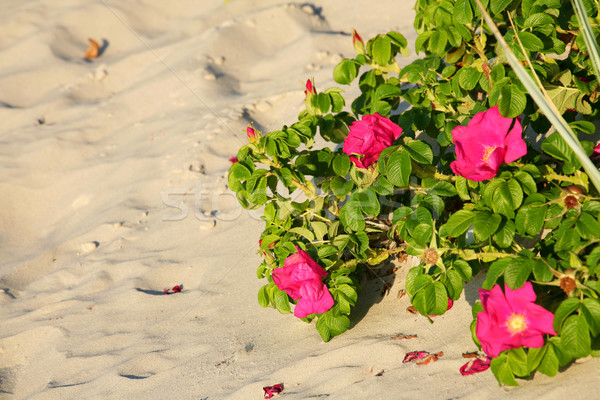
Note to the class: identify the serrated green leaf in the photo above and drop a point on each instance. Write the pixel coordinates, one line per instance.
(419, 151)
(463, 269)
(485, 224)
(345, 72)
(303, 232)
(497, 6)
(501, 369)
(517, 272)
(512, 101)
(422, 234)
(459, 222)
(575, 337)
(590, 309)
(506, 232)
(463, 13)
(398, 169)
(382, 50)
(282, 302)
(517, 361)
(352, 217)
(549, 364)
(566, 308)
(263, 297)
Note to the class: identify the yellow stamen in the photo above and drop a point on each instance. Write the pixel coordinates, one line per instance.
(488, 152)
(516, 323)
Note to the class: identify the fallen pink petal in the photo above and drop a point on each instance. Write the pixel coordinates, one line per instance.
(274, 390)
(475, 366)
(175, 289)
(415, 355)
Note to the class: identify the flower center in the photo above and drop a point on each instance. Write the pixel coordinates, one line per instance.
(488, 152)
(516, 323)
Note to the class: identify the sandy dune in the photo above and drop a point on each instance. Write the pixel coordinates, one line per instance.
(113, 188)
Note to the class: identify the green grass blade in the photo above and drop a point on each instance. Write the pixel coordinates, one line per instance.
(545, 104)
(588, 35)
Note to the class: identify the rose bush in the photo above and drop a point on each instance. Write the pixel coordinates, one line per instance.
(450, 180)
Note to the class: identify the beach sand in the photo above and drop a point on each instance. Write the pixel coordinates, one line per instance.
(113, 187)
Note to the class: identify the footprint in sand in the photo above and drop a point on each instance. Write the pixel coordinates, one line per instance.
(89, 247)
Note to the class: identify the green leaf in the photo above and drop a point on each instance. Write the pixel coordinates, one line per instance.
(399, 168)
(462, 188)
(303, 232)
(583, 126)
(327, 250)
(468, 78)
(319, 228)
(549, 364)
(237, 173)
(459, 222)
(419, 151)
(530, 220)
(505, 235)
(499, 5)
(454, 284)
(352, 217)
(323, 329)
(495, 271)
(541, 272)
(566, 308)
(422, 234)
(368, 202)
(345, 72)
(555, 146)
(590, 309)
(341, 165)
(512, 101)
(503, 201)
(517, 361)
(527, 182)
(323, 102)
(382, 50)
(438, 42)
(440, 188)
(485, 224)
(501, 369)
(535, 356)
(530, 41)
(517, 272)
(386, 91)
(263, 296)
(463, 269)
(282, 302)
(587, 226)
(463, 13)
(575, 337)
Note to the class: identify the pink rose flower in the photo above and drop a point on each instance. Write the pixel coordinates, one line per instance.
(597, 149)
(301, 278)
(511, 320)
(487, 142)
(368, 138)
